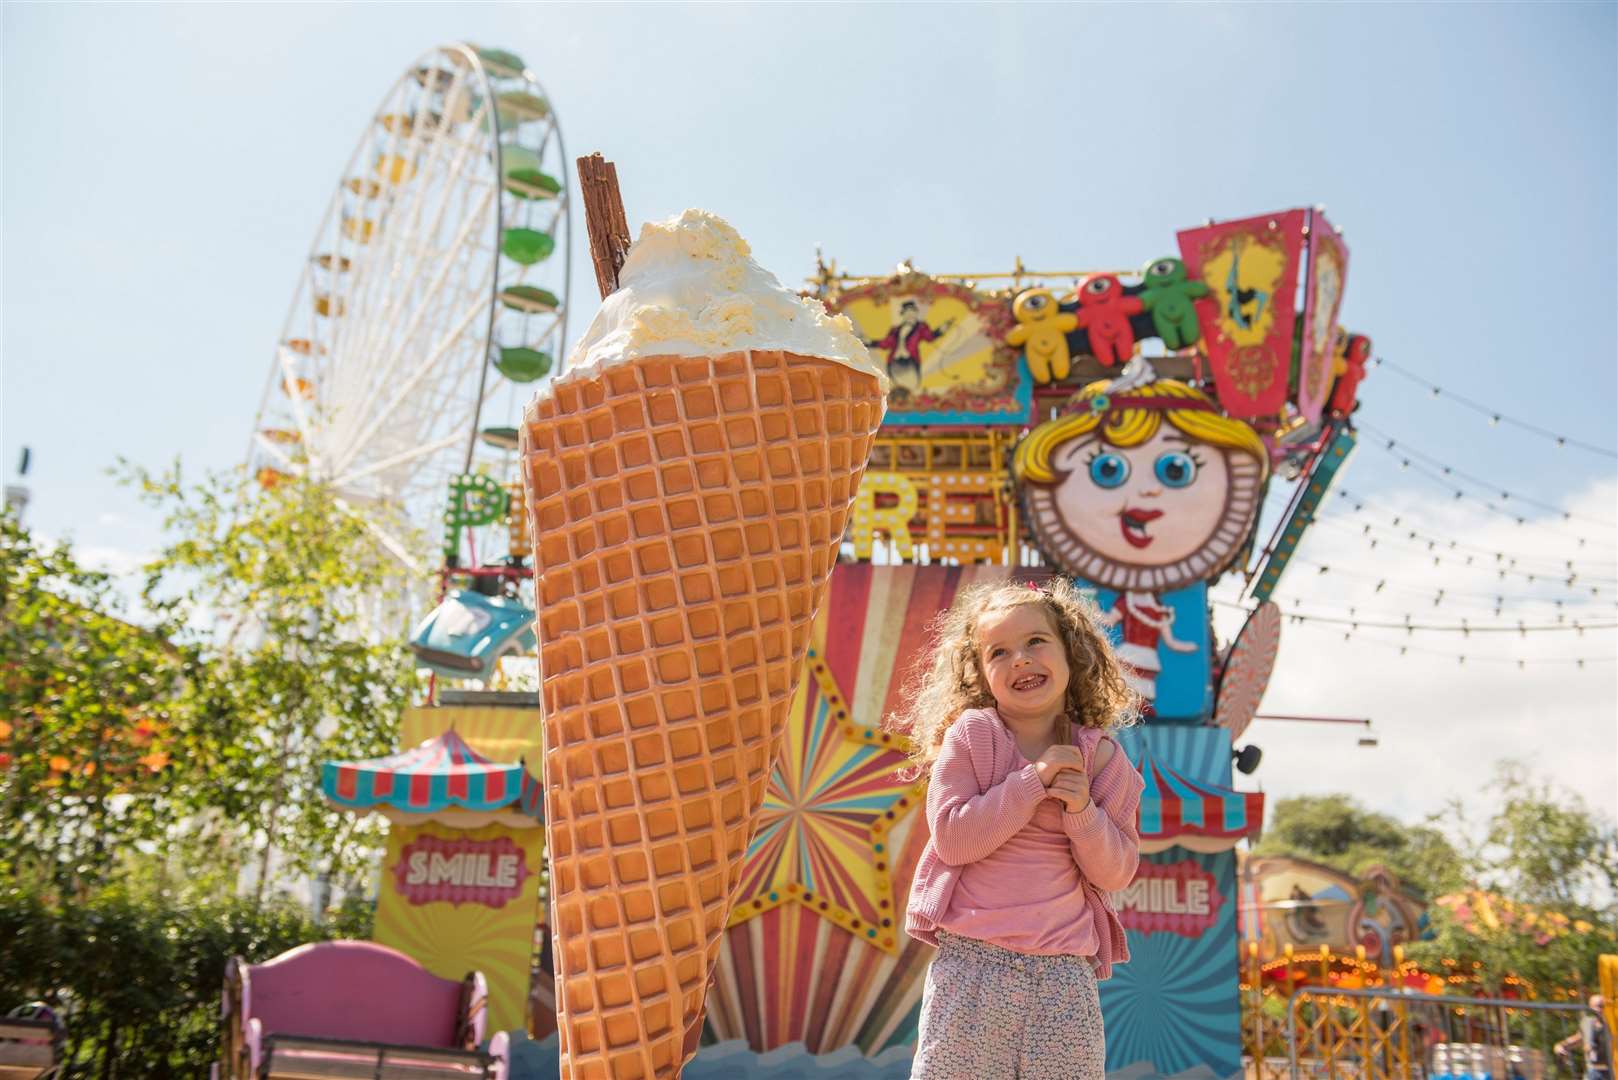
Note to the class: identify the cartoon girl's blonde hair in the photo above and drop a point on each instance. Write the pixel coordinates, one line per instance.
(1126, 424)
(1097, 695)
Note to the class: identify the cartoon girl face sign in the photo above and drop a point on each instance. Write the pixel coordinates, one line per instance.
(1152, 505)
(1144, 489)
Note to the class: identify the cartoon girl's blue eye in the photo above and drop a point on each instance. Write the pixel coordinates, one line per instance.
(1109, 470)
(1176, 469)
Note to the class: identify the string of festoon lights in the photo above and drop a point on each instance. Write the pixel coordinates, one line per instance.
(1501, 570)
(1422, 464)
(1357, 633)
(1357, 504)
(1579, 575)
(1410, 622)
(1450, 598)
(1496, 417)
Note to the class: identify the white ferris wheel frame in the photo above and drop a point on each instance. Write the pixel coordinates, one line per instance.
(397, 364)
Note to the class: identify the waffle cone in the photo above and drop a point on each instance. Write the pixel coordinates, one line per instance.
(686, 516)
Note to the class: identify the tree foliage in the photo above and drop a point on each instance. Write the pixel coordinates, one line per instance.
(89, 717)
(1543, 897)
(198, 736)
(285, 595)
(1337, 831)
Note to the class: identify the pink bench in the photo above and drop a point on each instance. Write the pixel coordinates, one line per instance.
(353, 1008)
(28, 1048)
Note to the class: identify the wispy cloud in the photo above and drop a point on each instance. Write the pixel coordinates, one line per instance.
(119, 562)
(1443, 723)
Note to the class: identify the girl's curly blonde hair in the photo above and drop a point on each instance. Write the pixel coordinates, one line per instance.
(1097, 695)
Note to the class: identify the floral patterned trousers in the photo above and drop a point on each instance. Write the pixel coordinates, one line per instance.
(991, 1014)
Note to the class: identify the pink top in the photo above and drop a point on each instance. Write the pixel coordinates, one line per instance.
(1008, 865)
(1026, 894)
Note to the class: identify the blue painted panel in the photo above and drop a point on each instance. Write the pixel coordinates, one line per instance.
(1175, 1005)
(1185, 685)
(1196, 753)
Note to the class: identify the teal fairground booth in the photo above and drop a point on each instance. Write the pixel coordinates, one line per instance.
(1174, 1007)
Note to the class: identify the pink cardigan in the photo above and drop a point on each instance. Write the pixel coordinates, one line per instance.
(975, 803)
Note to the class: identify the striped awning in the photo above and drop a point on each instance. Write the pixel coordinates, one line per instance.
(442, 772)
(1194, 814)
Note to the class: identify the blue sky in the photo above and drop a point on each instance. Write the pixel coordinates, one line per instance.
(165, 167)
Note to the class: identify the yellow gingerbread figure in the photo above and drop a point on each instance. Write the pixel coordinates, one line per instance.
(1042, 330)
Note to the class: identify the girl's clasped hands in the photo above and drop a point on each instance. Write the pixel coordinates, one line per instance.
(1061, 769)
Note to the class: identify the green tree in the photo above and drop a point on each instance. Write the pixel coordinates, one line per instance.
(137, 966)
(1547, 847)
(89, 718)
(1337, 831)
(1543, 896)
(284, 593)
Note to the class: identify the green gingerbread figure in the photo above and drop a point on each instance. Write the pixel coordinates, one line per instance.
(1168, 295)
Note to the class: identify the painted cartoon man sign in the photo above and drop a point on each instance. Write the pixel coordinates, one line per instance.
(1144, 489)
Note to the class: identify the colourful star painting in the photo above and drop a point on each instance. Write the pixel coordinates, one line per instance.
(834, 797)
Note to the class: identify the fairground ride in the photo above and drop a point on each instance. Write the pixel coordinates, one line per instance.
(436, 287)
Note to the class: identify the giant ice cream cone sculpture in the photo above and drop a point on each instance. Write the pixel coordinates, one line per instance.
(688, 481)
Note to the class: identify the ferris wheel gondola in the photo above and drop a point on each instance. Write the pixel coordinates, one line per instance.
(436, 286)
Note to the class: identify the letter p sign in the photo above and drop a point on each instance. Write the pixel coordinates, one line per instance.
(474, 499)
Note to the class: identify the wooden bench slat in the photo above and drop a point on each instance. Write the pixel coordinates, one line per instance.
(294, 1058)
(27, 1054)
(21, 1072)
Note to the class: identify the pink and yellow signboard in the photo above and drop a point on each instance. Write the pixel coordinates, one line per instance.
(461, 900)
(1251, 270)
(460, 890)
(462, 871)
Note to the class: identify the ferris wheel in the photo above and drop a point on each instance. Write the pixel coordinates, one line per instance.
(437, 285)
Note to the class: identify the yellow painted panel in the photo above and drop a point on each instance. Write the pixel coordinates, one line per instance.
(499, 733)
(451, 939)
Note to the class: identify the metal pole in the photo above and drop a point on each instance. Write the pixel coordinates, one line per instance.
(1292, 1031)
(1401, 1051)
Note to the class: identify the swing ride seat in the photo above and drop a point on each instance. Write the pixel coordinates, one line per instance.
(466, 635)
(28, 1048)
(337, 1009)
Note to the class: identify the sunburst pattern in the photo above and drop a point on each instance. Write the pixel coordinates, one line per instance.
(1174, 1005)
(451, 939)
(832, 800)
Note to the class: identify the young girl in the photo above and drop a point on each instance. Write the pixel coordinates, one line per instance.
(1032, 812)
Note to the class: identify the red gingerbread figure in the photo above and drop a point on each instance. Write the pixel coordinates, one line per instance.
(1104, 311)
(1349, 366)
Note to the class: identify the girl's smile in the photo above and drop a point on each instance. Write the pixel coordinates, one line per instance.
(1025, 663)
